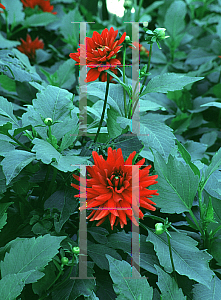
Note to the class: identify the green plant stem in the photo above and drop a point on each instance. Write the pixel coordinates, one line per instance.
(138, 14)
(17, 141)
(104, 107)
(215, 231)
(148, 68)
(135, 96)
(196, 223)
(171, 257)
(200, 202)
(124, 60)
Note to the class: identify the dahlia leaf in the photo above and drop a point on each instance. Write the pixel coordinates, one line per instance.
(177, 185)
(215, 164)
(208, 293)
(168, 82)
(97, 252)
(188, 259)
(3, 214)
(30, 254)
(42, 19)
(6, 44)
(113, 128)
(14, 162)
(125, 286)
(168, 286)
(15, 14)
(174, 18)
(6, 112)
(46, 152)
(72, 289)
(12, 285)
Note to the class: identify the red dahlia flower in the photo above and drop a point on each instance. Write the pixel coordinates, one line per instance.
(110, 188)
(142, 49)
(2, 6)
(30, 46)
(42, 4)
(100, 52)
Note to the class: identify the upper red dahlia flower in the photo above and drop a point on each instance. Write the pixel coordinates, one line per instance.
(30, 46)
(43, 4)
(100, 51)
(2, 6)
(110, 188)
(141, 48)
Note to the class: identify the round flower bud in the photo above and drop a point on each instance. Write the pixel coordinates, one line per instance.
(127, 38)
(160, 33)
(64, 260)
(145, 24)
(159, 228)
(76, 250)
(48, 121)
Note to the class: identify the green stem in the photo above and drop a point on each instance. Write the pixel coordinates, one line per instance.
(138, 14)
(104, 107)
(17, 141)
(171, 256)
(196, 223)
(135, 96)
(200, 202)
(215, 231)
(148, 68)
(124, 59)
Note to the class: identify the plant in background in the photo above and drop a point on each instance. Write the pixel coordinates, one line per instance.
(29, 47)
(177, 98)
(44, 5)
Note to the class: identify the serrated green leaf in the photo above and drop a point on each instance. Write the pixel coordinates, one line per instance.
(6, 112)
(14, 162)
(42, 19)
(12, 285)
(97, 252)
(168, 82)
(177, 185)
(14, 10)
(187, 157)
(31, 254)
(188, 259)
(46, 152)
(6, 44)
(3, 214)
(215, 164)
(168, 286)
(174, 18)
(154, 135)
(212, 292)
(125, 286)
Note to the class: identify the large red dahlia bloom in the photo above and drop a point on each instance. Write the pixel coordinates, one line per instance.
(110, 188)
(42, 4)
(28, 47)
(100, 52)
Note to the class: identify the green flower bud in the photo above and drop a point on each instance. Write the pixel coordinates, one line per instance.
(145, 24)
(159, 227)
(48, 121)
(64, 260)
(76, 250)
(160, 33)
(127, 38)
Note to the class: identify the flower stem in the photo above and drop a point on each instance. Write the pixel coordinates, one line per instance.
(17, 141)
(196, 223)
(148, 68)
(171, 256)
(124, 59)
(138, 14)
(104, 107)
